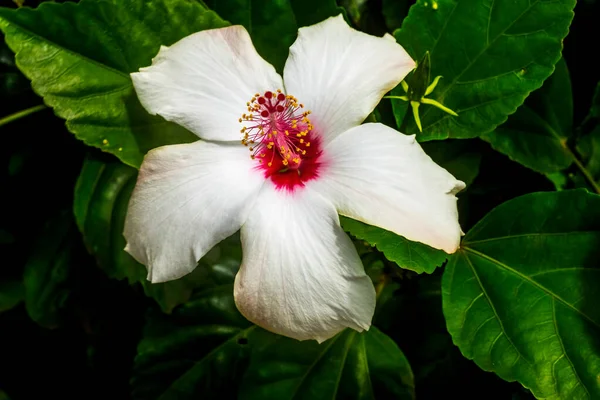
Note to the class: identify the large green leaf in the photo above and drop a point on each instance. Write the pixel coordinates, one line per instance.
(410, 255)
(309, 12)
(536, 135)
(47, 271)
(100, 206)
(521, 295)
(351, 365)
(79, 57)
(271, 23)
(492, 54)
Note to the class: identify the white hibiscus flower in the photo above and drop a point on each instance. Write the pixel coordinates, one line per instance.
(290, 176)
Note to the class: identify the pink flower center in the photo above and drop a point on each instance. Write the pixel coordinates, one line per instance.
(281, 139)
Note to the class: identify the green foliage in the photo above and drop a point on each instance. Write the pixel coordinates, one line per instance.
(309, 12)
(459, 157)
(48, 269)
(206, 348)
(100, 206)
(536, 135)
(491, 54)
(519, 296)
(11, 294)
(201, 349)
(271, 23)
(410, 255)
(351, 365)
(81, 69)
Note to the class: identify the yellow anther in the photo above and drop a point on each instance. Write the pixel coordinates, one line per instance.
(296, 160)
(285, 162)
(307, 144)
(270, 164)
(303, 152)
(240, 120)
(301, 140)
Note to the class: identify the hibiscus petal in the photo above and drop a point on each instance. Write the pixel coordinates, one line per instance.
(204, 81)
(188, 197)
(301, 276)
(341, 74)
(377, 175)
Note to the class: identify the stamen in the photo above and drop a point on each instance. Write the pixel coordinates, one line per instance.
(272, 113)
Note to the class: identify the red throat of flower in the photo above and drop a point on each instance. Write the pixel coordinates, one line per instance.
(281, 139)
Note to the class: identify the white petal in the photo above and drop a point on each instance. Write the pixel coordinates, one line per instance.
(301, 276)
(340, 74)
(188, 197)
(379, 176)
(204, 81)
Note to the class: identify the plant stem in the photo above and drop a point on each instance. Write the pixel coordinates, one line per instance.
(586, 173)
(20, 114)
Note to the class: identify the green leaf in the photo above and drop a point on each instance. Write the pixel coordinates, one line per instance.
(200, 350)
(309, 12)
(79, 57)
(456, 156)
(47, 271)
(410, 255)
(271, 24)
(536, 135)
(351, 365)
(521, 295)
(11, 294)
(492, 54)
(101, 197)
